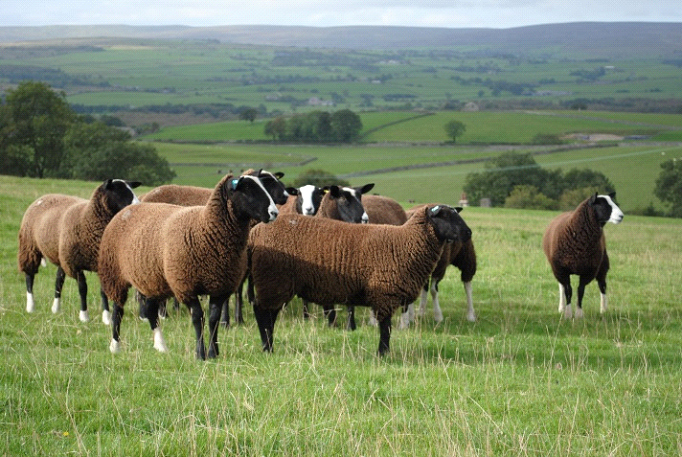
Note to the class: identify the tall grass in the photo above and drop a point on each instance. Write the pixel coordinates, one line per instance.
(520, 381)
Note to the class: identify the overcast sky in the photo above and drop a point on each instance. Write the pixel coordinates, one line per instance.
(324, 13)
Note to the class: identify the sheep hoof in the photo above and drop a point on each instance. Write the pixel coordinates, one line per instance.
(471, 317)
(579, 313)
(106, 317)
(114, 346)
(159, 343)
(84, 316)
(55, 306)
(438, 316)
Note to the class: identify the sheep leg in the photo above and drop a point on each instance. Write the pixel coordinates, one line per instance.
(565, 294)
(115, 345)
(142, 302)
(152, 311)
(384, 335)
(306, 311)
(83, 291)
(225, 312)
(58, 284)
(330, 312)
(471, 315)
(30, 304)
(437, 313)
(216, 306)
(106, 315)
(198, 322)
(601, 282)
(266, 325)
(584, 280)
(350, 325)
(424, 297)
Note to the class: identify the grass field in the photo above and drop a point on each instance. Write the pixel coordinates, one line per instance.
(520, 381)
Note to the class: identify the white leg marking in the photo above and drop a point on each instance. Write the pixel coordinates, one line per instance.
(568, 314)
(579, 313)
(603, 305)
(372, 319)
(159, 343)
(422, 302)
(437, 313)
(30, 304)
(84, 316)
(114, 346)
(562, 298)
(404, 321)
(106, 317)
(410, 312)
(471, 315)
(55, 306)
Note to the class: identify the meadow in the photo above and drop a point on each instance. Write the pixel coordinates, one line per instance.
(520, 381)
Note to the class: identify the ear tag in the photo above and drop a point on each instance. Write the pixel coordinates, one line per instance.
(435, 209)
(233, 184)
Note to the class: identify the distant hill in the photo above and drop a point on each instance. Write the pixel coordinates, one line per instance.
(599, 39)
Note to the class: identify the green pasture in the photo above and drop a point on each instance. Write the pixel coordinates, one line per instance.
(520, 381)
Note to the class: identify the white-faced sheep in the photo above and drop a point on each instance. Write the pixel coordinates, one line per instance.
(460, 254)
(329, 262)
(574, 244)
(67, 230)
(166, 250)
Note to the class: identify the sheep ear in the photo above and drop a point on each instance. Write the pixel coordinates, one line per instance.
(335, 191)
(458, 209)
(279, 174)
(366, 188)
(107, 183)
(134, 184)
(593, 198)
(325, 189)
(435, 210)
(234, 183)
(292, 190)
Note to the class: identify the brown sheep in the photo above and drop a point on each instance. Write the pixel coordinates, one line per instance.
(67, 230)
(166, 250)
(460, 254)
(327, 262)
(574, 244)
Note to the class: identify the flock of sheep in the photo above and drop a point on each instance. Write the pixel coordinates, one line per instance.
(328, 246)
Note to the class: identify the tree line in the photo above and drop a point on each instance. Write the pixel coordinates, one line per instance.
(343, 126)
(41, 136)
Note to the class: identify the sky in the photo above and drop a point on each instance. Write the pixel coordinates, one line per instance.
(326, 13)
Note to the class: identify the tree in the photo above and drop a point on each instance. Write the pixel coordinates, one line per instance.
(34, 123)
(529, 197)
(454, 129)
(319, 178)
(97, 152)
(276, 128)
(669, 186)
(345, 125)
(248, 114)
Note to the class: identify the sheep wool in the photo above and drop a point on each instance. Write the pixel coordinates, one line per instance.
(67, 230)
(166, 250)
(327, 262)
(574, 244)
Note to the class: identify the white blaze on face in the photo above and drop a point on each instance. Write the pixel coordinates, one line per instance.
(616, 214)
(135, 199)
(305, 193)
(272, 208)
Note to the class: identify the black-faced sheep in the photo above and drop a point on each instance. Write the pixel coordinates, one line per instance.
(574, 244)
(198, 196)
(338, 203)
(67, 230)
(303, 200)
(460, 254)
(166, 250)
(329, 262)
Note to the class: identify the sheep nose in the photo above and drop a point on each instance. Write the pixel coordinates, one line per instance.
(308, 211)
(273, 212)
(365, 218)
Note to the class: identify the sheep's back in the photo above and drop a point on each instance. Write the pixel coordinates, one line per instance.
(383, 210)
(570, 247)
(40, 227)
(178, 195)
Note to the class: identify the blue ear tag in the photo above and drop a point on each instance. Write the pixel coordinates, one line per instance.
(234, 183)
(435, 209)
